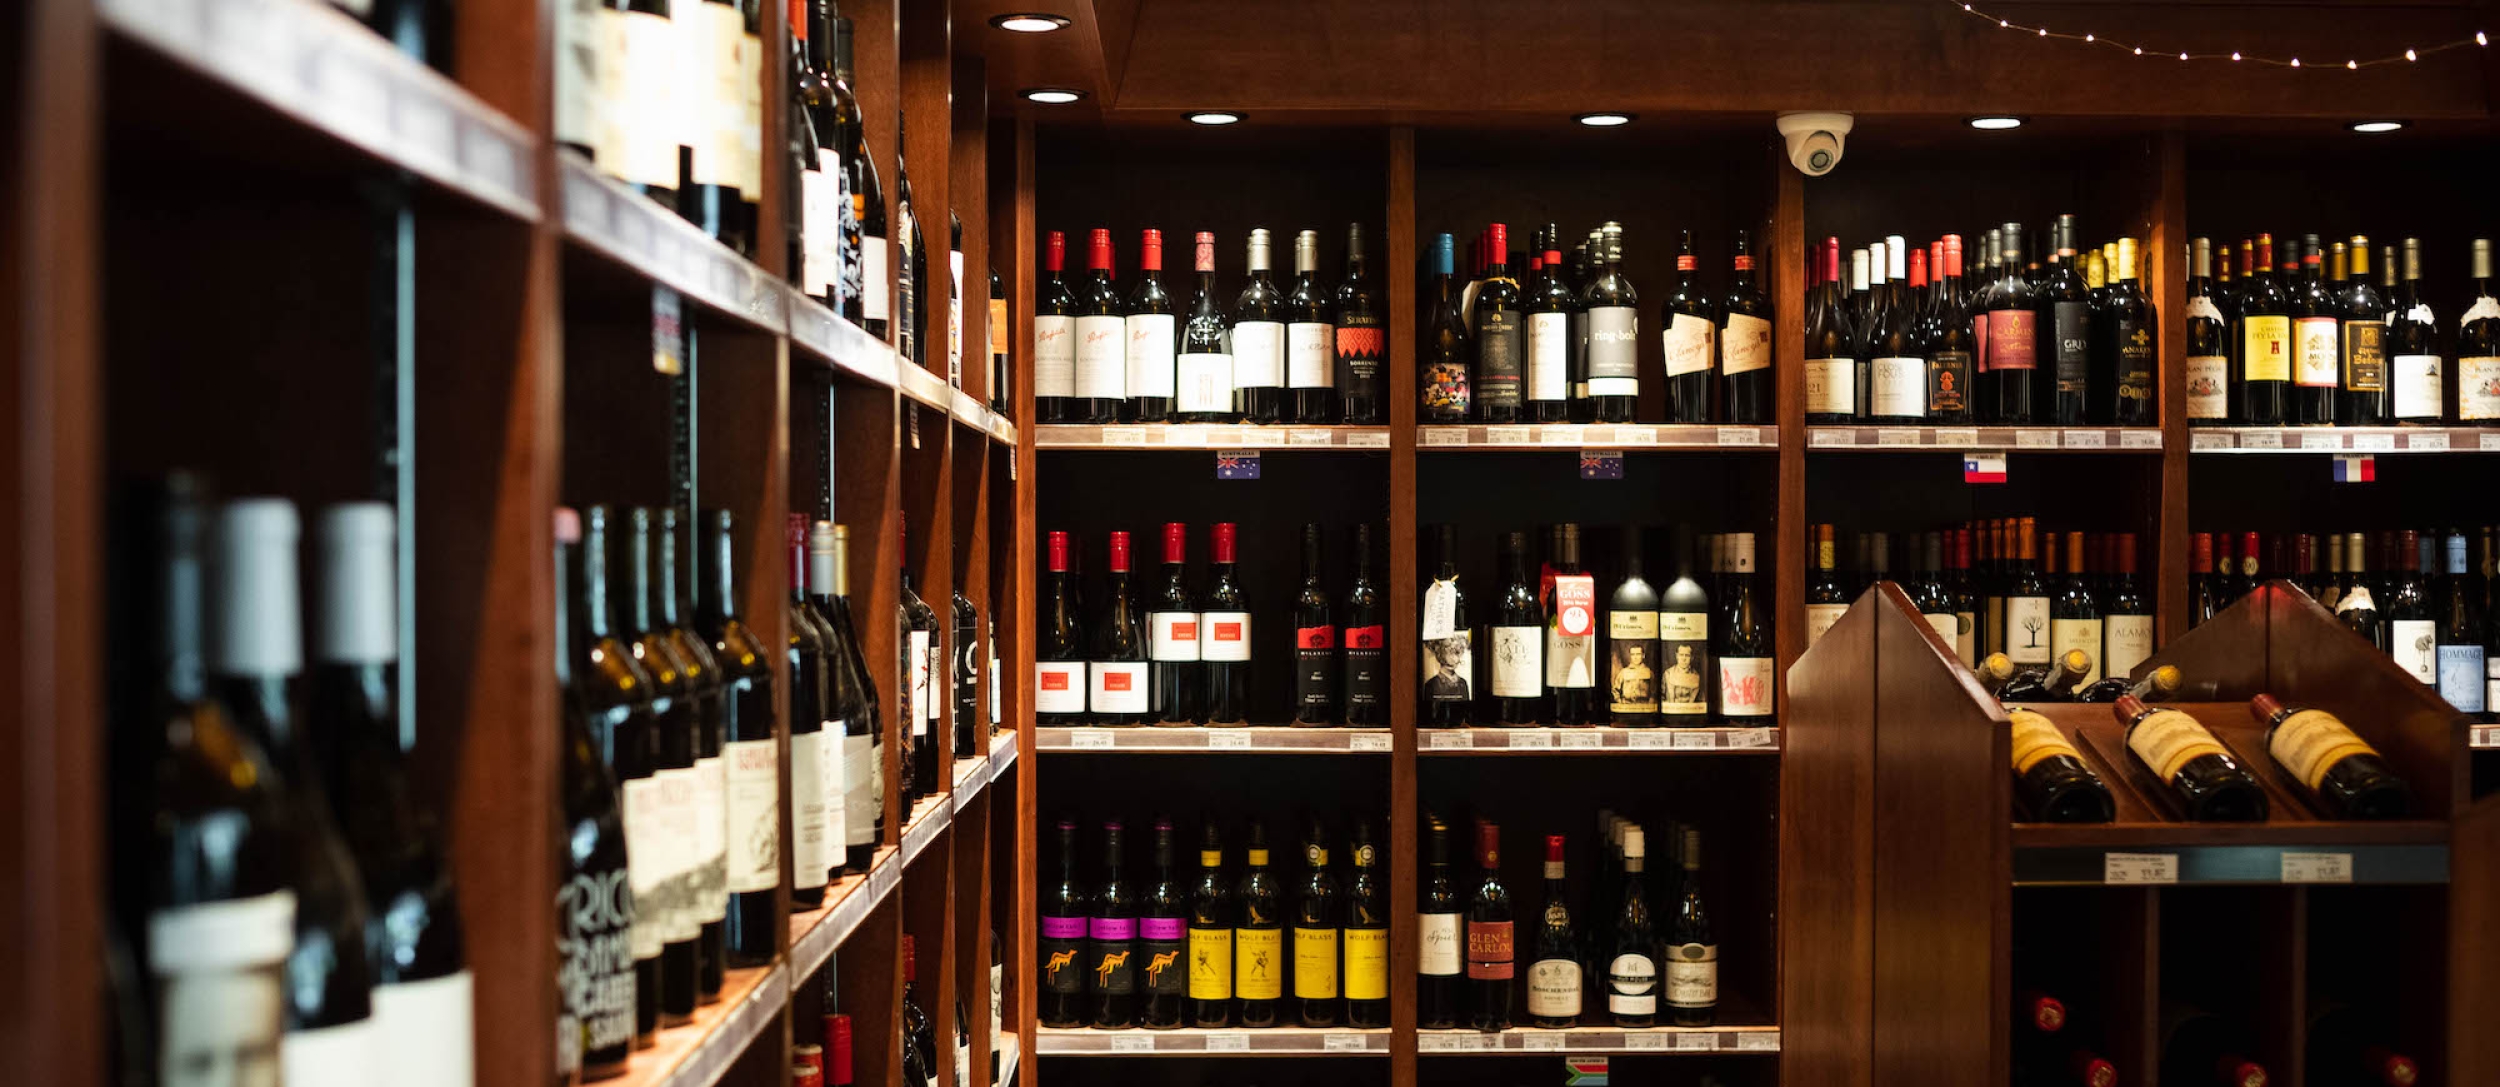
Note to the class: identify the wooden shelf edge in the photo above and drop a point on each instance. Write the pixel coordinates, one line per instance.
(820, 332)
(622, 225)
(929, 818)
(698, 1054)
(1597, 740)
(815, 935)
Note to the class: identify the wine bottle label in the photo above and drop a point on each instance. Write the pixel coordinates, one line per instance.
(2135, 368)
(220, 972)
(2027, 633)
(347, 1053)
(425, 1030)
(1497, 357)
(863, 791)
(1449, 668)
(1613, 366)
(1571, 639)
(1315, 671)
(1489, 950)
(1684, 665)
(1948, 383)
(1112, 951)
(1258, 355)
(2461, 677)
(1367, 964)
(2415, 381)
(1831, 386)
(1175, 635)
(1149, 354)
(647, 859)
(1554, 989)
(1366, 664)
(998, 340)
(2125, 641)
(1161, 943)
(2208, 387)
(1632, 985)
(2265, 348)
(1054, 351)
(1310, 354)
(1745, 686)
(578, 100)
(711, 840)
(1819, 618)
(1224, 636)
(1745, 344)
(955, 321)
(673, 830)
(1693, 976)
(2478, 389)
(753, 817)
(1205, 384)
(923, 659)
(642, 124)
(2414, 643)
(2070, 329)
(1944, 625)
(2365, 356)
(2012, 342)
(810, 854)
(2083, 634)
(1518, 662)
(1966, 638)
(709, 68)
(1210, 964)
(1059, 687)
(1900, 388)
(1101, 357)
(1549, 356)
(1259, 963)
(1118, 687)
(2168, 740)
(1063, 945)
(1315, 963)
(816, 242)
(2036, 739)
(876, 304)
(2315, 352)
(1438, 945)
(1359, 351)
(2491, 681)
(1691, 343)
(1632, 661)
(2309, 743)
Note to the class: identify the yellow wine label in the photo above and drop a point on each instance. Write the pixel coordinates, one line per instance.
(2036, 739)
(1315, 963)
(2266, 349)
(2309, 743)
(1259, 963)
(2168, 739)
(1211, 964)
(1367, 964)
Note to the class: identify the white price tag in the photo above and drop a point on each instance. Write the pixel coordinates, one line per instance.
(1222, 739)
(2207, 439)
(2375, 443)
(1650, 739)
(1508, 435)
(1367, 439)
(1368, 741)
(1697, 1041)
(2486, 736)
(2489, 442)
(1443, 739)
(1228, 1041)
(2261, 439)
(2087, 439)
(1306, 436)
(2139, 439)
(2139, 868)
(1344, 1043)
(1644, 1039)
(1542, 1039)
(1444, 435)
(1123, 435)
(1132, 1043)
(1957, 437)
(1636, 435)
(1089, 737)
(2433, 442)
(1531, 738)
(1751, 737)
(1833, 436)
(1185, 435)
(1896, 437)
(1435, 1042)
(1695, 739)
(2317, 867)
(1582, 739)
(2035, 439)
(1560, 435)
(2313, 440)
(1740, 435)
(1759, 1041)
(1253, 435)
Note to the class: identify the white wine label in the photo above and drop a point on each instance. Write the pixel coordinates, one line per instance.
(955, 322)
(1150, 354)
(426, 1036)
(1693, 976)
(1437, 937)
(1054, 352)
(1224, 636)
(1745, 344)
(924, 708)
(1554, 989)
(2310, 742)
(2316, 352)
(1745, 686)
(2208, 387)
(2036, 739)
(753, 820)
(1613, 351)
(1059, 687)
(2478, 389)
(219, 973)
(1102, 357)
(809, 852)
(2125, 641)
(1118, 687)
(1900, 388)
(1831, 386)
(580, 97)
(1518, 662)
(1258, 355)
(1204, 384)
(1632, 985)
(2415, 380)
(1440, 610)
(347, 1053)
(236, 934)
(862, 791)
(2168, 740)
(711, 840)
(2083, 634)
(1175, 635)
(1691, 344)
(1549, 356)
(1945, 626)
(2414, 643)
(1310, 355)
(676, 833)
(717, 101)
(2461, 677)
(641, 125)
(816, 241)
(1819, 618)
(2027, 630)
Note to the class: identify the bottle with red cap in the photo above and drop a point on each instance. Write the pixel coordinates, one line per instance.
(1831, 347)
(1176, 685)
(1744, 343)
(1116, 667)
(1498, 327)
(1224, 635)
(1059, 682)
(1054, 336)
(1554, 986)
(1151, 342)
(2201, 1049)
(919, 1031)
(1101, 340)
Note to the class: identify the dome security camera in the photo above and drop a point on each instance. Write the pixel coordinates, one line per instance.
(1815, 139)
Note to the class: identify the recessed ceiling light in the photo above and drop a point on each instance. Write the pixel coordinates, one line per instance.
(1604, 120)
(1213, 117)
(1052, 96)
(2377, 126)
(1995, 124)
(1029, 22)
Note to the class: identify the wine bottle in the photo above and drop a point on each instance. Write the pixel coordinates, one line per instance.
(2342, 774)
(1204, 383)
(674, 708)
(1054, 332)
(1632, 969)
(1445, 355)
(1259, 318)
(1926, 589)
(1571, 635)
(910, 284)
(2478, 342)
(1175, 682)
(2208, 783)
(2029, 637)
(2208, 341)
(1744, 336)
(1437, 937)
(813, 774)
(1101, 332)
(2131, 329)
(1554, 985)
(2460, 663)
(256, 651)
(851, 701)
(1690, 947)
(421, 995)
(923, 666)
(1747, 677)
(2412, 632)
(1489, 961)
(1494, 319)
(1162, 941)
(1310, 337)
(813, 224)
(965, 677)
(1897, 351)
(1111, 941)
(2316, 352)
(1826, 601)
(1948, 335)
(2200, 1049)
(1059, 682)
(1448, 657)
(1002, 373)
(2417, 392)
(2052, 783)
(709, 688)
(2074, 616)
(2362, 393)
(2355, 1044)
(1550, 305)
(1211, 937)
(1691, 341)
(1258, 937)
(1317, 923)
(1684, 671)
(1361, 347)
(1224, 634)
(615, 692)
(1831, 362)
(1632, 641)
(1315, 683)
(1149, 334)
(1518, 641)
(1364, 635)
(1116, 695)
(954, 304)
(594, 902)
(1065, 908)
(1366, 935)
(2264, 343)
(919, 1030)
(1606, 350)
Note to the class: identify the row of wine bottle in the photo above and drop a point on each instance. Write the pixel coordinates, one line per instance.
(279, 889)
(2059, 1045)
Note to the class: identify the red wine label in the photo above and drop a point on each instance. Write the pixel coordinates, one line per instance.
(1575, 604)
(2168, 740)
(1314, 637)
(1366, 637)
(2013, 342)
(1489, 949)
(2036, 739)
(2309, 743)
(1224, 636)
(1359, 351)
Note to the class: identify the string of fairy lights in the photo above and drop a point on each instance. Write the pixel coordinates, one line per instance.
(2409, 56)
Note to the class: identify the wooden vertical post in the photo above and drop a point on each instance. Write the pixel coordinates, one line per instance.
(2165, 281)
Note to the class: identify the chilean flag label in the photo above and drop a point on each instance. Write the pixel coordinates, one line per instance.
(1983, 467)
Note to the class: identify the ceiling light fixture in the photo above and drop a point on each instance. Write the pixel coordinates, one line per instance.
(1029, 22)
(1052, 96)
(1995, 124)
(1605, 120)
(1212, 117)
(2376, 126)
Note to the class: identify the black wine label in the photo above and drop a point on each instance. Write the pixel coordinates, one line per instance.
(1063, 952)
(2070, 325)
(1948, 383)
(2135, 369)
(1498, 358)
(1112, 952)
(1315, 667)
(1163, 955)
